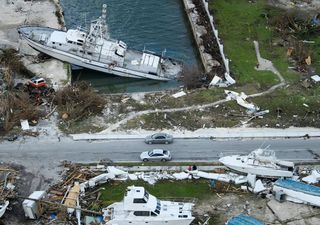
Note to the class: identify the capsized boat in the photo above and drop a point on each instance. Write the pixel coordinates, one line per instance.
(93, 49)
(261, 162)
(139, 207)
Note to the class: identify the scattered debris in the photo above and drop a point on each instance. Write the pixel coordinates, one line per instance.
(3, 208)
(313, 178)
(24, 125)
(241, 100)
(315, 78)
(32, 209)
(179, 94)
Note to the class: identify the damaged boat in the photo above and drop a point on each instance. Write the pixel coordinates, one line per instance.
(261, 162)
(139, 207)
(93, 49)
(298, 192)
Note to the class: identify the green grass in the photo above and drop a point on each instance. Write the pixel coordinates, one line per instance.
(240, 23)
(199, 189)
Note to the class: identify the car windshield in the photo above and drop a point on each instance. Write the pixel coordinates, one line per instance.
(165, 152)
(150, 153)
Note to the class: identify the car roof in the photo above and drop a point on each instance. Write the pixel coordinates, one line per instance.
(164, 134)
(157, 151)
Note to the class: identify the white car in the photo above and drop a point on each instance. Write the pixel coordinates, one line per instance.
(156, 155)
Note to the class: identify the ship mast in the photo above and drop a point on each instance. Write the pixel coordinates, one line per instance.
(98, 28)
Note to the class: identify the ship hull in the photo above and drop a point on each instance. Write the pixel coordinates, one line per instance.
(259, 171)
(93, 65)
(237, 165)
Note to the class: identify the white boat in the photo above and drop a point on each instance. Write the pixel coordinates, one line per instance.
(139, 207)
(261, 162)
(3, 208)
(93, 49)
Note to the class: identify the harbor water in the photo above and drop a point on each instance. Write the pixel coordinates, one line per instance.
(151, 24)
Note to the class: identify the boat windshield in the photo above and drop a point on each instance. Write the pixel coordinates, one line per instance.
(158, 208)
(146, 196)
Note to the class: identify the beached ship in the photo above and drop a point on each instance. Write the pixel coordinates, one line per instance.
(261, 162)
(93, 49)
(139, 207)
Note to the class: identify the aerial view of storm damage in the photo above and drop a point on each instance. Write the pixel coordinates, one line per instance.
(159, 112)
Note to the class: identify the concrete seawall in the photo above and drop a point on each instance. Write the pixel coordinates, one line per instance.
(189, 6)
(208, 43)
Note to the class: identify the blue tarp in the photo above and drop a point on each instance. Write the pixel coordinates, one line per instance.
(244, 220)
(298, 186)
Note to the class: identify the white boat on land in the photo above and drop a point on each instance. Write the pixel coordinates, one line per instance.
(139, 207)
(3, 208)
(93, 49)
(261, 162)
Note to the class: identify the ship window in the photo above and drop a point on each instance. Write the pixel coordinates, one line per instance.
(146, 195)
(89, 53)
(81, 41)
(60, 44)
(141, 213)
(139, 200)
(53, 43)
(153, 214)
(70, 42)
(79, 44)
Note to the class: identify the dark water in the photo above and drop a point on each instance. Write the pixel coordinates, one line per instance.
(153, 24)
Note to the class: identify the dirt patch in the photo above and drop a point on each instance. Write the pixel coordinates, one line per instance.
(26, 183)
(222, 207)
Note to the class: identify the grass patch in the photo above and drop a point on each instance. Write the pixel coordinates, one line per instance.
(114, 191)
(287, 107)
(240, 23)
(79, 127)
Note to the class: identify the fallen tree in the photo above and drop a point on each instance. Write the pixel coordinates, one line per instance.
(78, 101)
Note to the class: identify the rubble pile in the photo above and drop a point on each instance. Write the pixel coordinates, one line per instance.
(8, 177)
(7, 184)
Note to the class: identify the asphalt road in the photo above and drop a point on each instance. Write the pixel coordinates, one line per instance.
(53, 151)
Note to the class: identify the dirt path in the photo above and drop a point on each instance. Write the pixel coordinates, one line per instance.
(263, 65)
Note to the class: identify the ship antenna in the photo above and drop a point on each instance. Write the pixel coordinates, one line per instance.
(103, 20)
(261, 146)
(163, 53)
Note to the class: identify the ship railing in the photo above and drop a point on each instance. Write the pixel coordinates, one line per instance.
(184, 199)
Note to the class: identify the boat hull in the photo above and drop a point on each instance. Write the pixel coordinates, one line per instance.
(298, 197)
(247, 165)
(151, 222)
(94, 65)
(259, 171)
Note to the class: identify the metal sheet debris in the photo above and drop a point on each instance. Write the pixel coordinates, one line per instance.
(241, 100)
(179, 94)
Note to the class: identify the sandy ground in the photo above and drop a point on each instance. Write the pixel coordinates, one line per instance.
(15, 13)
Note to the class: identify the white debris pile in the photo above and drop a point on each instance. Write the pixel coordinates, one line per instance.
(241, 100)
(313, 178)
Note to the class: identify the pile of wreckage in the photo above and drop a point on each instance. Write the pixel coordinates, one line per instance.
(8, 178)
(260, 172)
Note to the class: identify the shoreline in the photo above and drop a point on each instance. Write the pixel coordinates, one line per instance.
(18, 13)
